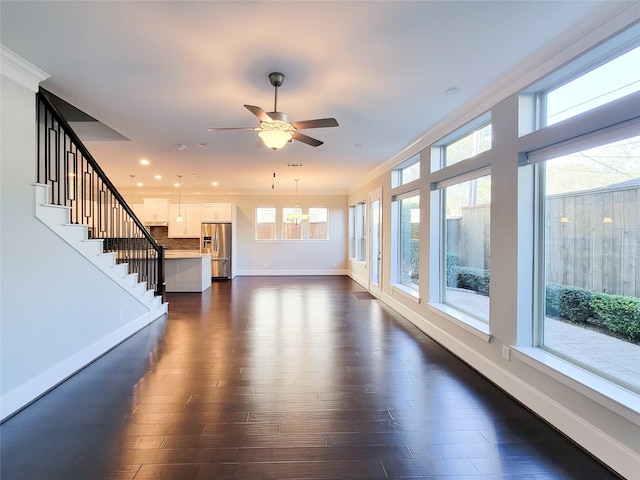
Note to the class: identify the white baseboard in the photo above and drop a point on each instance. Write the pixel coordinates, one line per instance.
(362, 281)
(292, 273)
(611, 452)
(33, 389)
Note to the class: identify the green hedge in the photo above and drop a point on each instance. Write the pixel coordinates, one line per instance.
(616, 313)
(470, 278)
(572, 303)
(620, 314)
(475, 279)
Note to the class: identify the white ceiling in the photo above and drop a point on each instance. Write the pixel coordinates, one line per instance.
(161, 73)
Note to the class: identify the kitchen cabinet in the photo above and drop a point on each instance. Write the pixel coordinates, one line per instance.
(138, 210)
(187, 271)
(190, 226)
(216, 212)
(156, 210)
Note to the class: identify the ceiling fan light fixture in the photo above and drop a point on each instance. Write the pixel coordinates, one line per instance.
(275, 139)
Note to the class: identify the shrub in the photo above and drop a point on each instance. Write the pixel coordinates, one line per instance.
(474, 279)
(452, 264)
(620, 314)
(572, 303)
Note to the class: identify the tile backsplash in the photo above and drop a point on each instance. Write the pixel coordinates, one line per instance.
(161, 236)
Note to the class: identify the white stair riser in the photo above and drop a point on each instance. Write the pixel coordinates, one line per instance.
(57, 219)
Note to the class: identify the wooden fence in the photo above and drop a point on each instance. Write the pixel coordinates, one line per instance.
(592, 239)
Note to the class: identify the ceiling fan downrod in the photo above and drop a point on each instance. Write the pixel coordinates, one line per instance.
(276, 79)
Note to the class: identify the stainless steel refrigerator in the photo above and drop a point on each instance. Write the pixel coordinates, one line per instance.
(215, 238)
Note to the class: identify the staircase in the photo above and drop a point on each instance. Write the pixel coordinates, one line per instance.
(57, 218)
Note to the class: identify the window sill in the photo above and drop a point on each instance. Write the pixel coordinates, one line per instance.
(257, 240)
(614, 397)
(362, 263)
(405, 292)
(471, 324)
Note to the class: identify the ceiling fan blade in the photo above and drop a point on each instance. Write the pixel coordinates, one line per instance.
(258, 112)
(305, 139)
(317, 123)
(231, 128)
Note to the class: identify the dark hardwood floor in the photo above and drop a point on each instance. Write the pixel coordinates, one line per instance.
(283, 377)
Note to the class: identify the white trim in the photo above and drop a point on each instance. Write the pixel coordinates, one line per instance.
(291, 273)
(627, 129)
(464, 177)
(362, 281)
(613, 397)
(471, 324)
(611, 18)
(405, 292)
(19, 70)
(30, 391)
(609, 450)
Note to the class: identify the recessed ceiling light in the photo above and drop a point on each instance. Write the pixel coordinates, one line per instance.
(144, 161)
(140, 184)
(358, 145)
(451, 91)
(215, 184)
(158, 177)
(180, 146)
(176, 184)
(202, 145)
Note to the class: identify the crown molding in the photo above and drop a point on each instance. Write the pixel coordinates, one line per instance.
(16, 68)
(611, 18)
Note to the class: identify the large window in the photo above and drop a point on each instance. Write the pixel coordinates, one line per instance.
(463, 144)
(608, 82)
(318, 223)
(292, 223)
(590, 239)
(470, 145)
(352, 231)
(466, 218)
(265, 223)
(406, 243)
(361, 231)
(406, 172)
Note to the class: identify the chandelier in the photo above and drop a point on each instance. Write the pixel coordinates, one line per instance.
(296, 217)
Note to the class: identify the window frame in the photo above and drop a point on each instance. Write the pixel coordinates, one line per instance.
(275, 223)
(410, 289)
(327, 212)
(352, 232)
(438, 149)
(538, 159)
(397, 173)
(442, 224)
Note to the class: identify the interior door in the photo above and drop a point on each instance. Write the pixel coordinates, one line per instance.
(375, 241)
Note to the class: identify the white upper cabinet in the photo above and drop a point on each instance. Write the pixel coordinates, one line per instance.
(190, 226)
(216, 212)
(156, 210)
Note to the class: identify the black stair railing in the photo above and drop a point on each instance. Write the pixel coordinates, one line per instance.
(77, 181)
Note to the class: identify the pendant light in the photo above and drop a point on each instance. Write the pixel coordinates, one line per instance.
(297, 217)
(179, 218)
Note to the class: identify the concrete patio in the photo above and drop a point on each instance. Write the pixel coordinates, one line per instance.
(612, 356)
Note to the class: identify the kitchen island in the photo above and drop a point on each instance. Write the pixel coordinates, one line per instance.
(187, 271)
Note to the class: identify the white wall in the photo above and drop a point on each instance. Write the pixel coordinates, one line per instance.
(291, 257)
(57, 311)
(605, 421)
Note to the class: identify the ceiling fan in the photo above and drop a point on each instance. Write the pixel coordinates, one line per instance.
(276, 130)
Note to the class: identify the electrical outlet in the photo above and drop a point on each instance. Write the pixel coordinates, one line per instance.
(506, 352)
